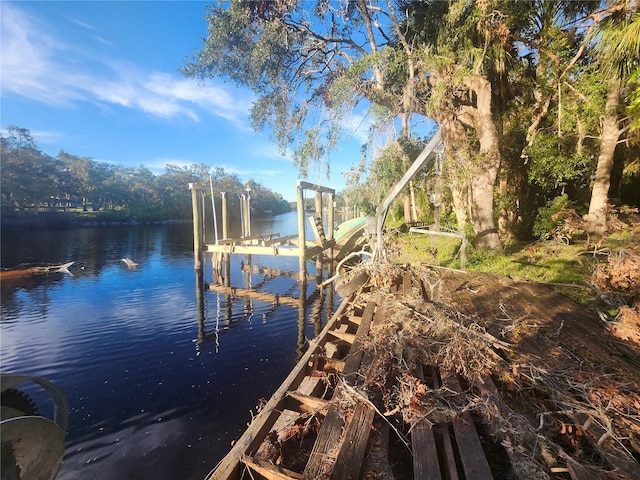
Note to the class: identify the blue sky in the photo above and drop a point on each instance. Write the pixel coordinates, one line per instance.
(100, 80)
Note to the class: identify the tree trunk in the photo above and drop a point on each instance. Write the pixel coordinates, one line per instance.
(507, 215)
(597, 217)
(453, 170)
(485, 169)
(412, 193)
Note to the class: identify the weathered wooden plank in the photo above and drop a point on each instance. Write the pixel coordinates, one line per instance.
(311, 385)
(316, 188)
(425, 454)
(343, 326)
(443, 438)
(406, 284)
(346, 337)
(327, 364)
(354, 358)
(472, 456)
(351, 286)
(325, 449)
(356, 320)
(270, 471)
(229, 467)
(286, 419)
(308, 403)
(258, 250)
(277, 240)
(317, 230)
(426, 465)
(352, 450)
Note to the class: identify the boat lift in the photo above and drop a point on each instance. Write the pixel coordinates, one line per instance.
(272, 244)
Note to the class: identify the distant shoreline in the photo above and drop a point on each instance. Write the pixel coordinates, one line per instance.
(65, 221)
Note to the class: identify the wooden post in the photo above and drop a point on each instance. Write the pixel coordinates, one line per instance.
(407, 209)
(200, 306)
(243, 233)
(225, 217)
(302, 241)
(331, 212)
(302, 339)
(197, 227)
(319, 221)
(225, 234)
(330, 231)
(318, 204)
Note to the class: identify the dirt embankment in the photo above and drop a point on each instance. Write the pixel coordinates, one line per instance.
(567, 403)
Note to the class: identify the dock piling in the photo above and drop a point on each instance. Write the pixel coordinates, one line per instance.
(197, 227)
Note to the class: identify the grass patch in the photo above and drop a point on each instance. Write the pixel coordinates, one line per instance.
(549, 261)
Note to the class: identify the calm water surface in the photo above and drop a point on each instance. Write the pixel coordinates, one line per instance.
(158, 388)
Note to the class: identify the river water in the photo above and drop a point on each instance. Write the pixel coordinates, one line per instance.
(159, 384)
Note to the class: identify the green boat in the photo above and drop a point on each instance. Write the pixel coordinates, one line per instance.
(349, 236)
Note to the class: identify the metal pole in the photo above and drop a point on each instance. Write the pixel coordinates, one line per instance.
(248, 216)
(383, 208)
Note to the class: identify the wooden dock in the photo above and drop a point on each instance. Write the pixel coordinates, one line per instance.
(319, 405)
(271, 244)
(332, 417)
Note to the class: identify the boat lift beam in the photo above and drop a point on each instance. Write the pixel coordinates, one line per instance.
(383, 208)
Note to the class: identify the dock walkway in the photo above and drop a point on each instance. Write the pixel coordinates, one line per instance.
(342, 429)
(398, 385)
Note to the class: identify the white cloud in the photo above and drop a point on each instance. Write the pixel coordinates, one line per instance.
(40, 67)
(83, 24)
(47, 136)
(25, 60)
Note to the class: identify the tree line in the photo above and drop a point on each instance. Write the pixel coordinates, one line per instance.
(537, 101)
(33, 181)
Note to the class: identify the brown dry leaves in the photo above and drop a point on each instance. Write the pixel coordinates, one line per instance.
(627, 325)
(621, 273)
(542, 410)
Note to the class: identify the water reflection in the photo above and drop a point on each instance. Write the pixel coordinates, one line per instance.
(273, 288)
(159, 382)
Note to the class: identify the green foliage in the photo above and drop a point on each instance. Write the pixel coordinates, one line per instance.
(633, 100)
(551, 216)
(289, 54)
(310, 63)
(33, 181)
(554, 165)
